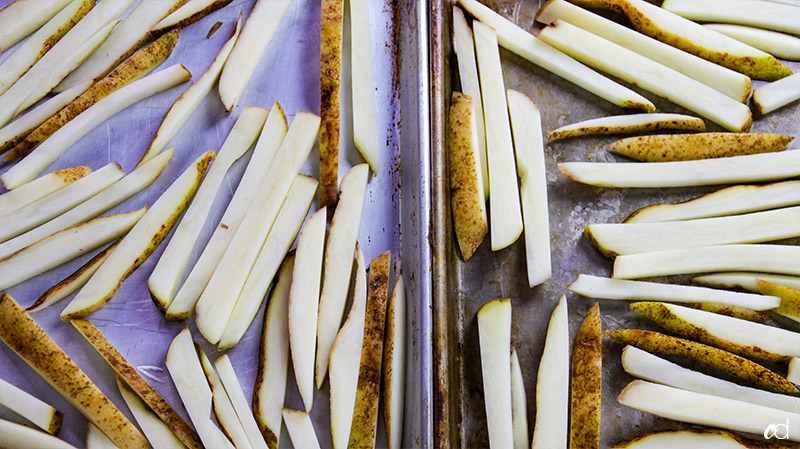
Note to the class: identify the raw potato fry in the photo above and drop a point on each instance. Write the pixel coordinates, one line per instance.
(526, 45)
(729, 170)
(31, 408)
(719, 359)
(731, 83)
(20, 18)
(261, 25)
(187, 103)
(709, 438)
(728, 201)
(270, 384)
(58, 202)
(40, 187)
(628, 124)
(301, 429)
(21, 333)
(394, 368)
(17, 435)
(365, 415)
(189, 13)
(747, 281)
(95, 439)
(140, 242)
(586, 382)
(693, 38)
(234, 390)
(94, 206)
(794, 371)
(689, 147)
(613, 239)
(790, 298)
(271, 138)
(64, 246)
(552, 383)
(466, 183)
(137, 383)
(779, 259)
(740, 336)
(733, 311)
(697, 408)
(153, 428)
(519, 410)
(494, 336)
(41, 41)
(331, 31)
(140, 64)
(365, 115)
(776, 95)
(168, 272)
(605, 288)
(743, 12)
(505, 213)
(223, 408)
(650, 75)
(61, 140)
(780, 45)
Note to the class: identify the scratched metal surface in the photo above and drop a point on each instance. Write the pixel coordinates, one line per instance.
(289, 73)
(461, 288)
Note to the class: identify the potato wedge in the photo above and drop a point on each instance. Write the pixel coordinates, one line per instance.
(689, 147)
(780, 45)
(331, 31)
(775, 95)
(628, 124)
(790, 298)
(769, 15)
(223, 408)
(17, 435)
(301, 429)
(747, 281)
(140, 242)
(20, 18)
(188, 14)
(552, 384)
(127, 373)
(586, 381)
(21, 333)
(40, 187)
(719, 359)
(154, 429)
(684, 438)
(466, 183)
(234, 390)
(394, 369)
(494, 335)
(519, 408)
(31, 408)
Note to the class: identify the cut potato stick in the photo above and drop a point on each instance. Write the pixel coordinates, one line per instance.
(776, 95)
(505, 214)
(605, 288)
(279, 241)
(94, 206)
(365, 116)
(740, 336)
(722, 79)
(64, 246)
(628, 124)
(258, 30)
(466, 190)
(22, 17)
(693, 38)
(729, 170)
(518, 404)
(304, 303)
(21, 333)
(31, 408)
(720, 359)
(689, 147)
(331, 32)
(131, 34)
(188, 376)
(95, 439)
(231, 383)
(187, 103)
(365, 414)
(552, 383)
(586, 381)
(526, 123)
(140, 64)
(58, 202)
(793, 374)
(17, 435)
(46, 153)
(301, 429)
(189, 13)
(790, 299)
(650, 75)
(345, 359)
(394, 370)
(728, 201)
(526, 45)
(644, 365)
(778, 259)
(140, 242)
(708, 438)
(40, 187)
(168, 272)
(271, 138)
(494, 332)
(698, 408)
(747, 281)
(127, 373)
(214, 307)
(743, 12)
(223, 408)
(41, 41)
(273, 358)
(781, 45)
(464, 48)
(613, 239)
(339, 250)
(734, 311)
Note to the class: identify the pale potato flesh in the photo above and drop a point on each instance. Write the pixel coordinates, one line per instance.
(18, 435)
(301, 429)
(519, 409)
(31, 408)
(365, 115)
(223, 408)
(157, 433)
(494, 333)
(747, 281)
(694, 438)
(187, 14)
(20, 18)
(775, 95)
(552, 384)
(780, 45)
(234, 389)
(394, 367)
(40, 187)
(769, 15)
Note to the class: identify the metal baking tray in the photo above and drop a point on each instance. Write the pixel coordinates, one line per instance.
(288, 73)
(459, 289)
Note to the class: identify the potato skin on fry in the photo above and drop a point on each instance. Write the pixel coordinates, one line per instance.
(587, 372)
(689, 147)
(330, 75)
(635, 124)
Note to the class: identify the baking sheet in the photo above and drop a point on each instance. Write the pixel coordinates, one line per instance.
(289, 73)
(461, 288)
